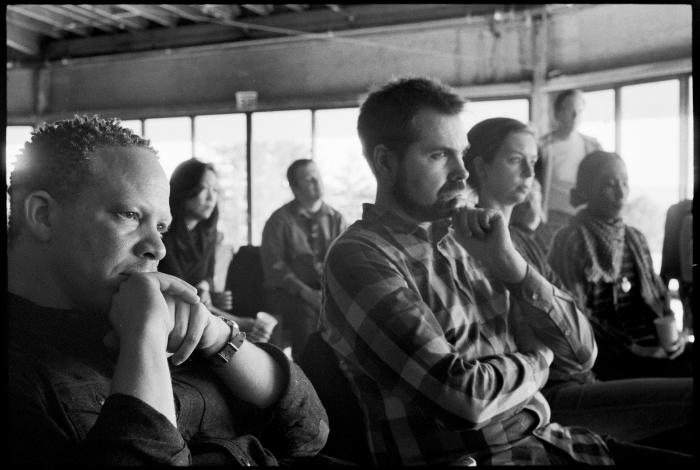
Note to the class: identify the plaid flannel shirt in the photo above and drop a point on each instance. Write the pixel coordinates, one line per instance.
(423, 335)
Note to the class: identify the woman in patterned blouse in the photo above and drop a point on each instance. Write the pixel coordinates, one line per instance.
(607, 265)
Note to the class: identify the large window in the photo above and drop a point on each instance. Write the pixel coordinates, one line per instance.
(650, 136)
(476, 111)
(346, 175)
(135, 125)
(172, 138)
(279, 138)
(15, 137)
(690, 168)
(221, 140)
(650, 127)
(598, 118)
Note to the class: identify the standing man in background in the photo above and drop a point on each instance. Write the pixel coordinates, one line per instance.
(294, 244)
(560, 153)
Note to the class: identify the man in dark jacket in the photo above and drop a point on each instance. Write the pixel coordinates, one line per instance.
(110, 361)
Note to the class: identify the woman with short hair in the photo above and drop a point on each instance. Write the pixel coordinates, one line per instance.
(607, 265)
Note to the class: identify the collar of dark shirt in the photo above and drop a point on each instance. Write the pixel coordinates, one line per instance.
(435, 230)
(323, 210)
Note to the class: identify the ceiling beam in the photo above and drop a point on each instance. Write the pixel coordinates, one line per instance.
(226, 12)
(123, 22)
(43, 15)
(80, 16)
(31, 24)
(151, 13)
(188, 12)
(23, 40)
(312, 21)
(296, 7)
(99, 16)
(258, 8)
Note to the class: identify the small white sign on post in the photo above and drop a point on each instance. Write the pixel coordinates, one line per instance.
(246, 100)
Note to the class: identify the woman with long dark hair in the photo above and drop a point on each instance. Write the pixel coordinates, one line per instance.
(191, 240)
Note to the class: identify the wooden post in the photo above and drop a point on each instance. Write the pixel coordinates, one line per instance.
(539, 105)
(42, 87)
(684, 164)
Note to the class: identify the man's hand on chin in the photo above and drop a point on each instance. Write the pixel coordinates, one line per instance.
(484, 234)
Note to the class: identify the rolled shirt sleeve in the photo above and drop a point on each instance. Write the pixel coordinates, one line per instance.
(555, 319)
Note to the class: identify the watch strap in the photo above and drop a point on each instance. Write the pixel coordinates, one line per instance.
(233, 344)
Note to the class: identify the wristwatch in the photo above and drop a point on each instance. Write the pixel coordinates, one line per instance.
(235, 340)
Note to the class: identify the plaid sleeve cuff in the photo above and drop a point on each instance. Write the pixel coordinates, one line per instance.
(534, 290)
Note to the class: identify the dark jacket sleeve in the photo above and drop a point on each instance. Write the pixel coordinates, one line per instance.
(43, 433)
(299, 426)
(130, 432)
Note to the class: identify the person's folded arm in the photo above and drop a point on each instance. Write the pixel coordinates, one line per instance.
(393, 337)
(556, 321)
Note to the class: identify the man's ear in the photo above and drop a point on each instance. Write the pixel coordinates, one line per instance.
(38, 206)
(384, 161)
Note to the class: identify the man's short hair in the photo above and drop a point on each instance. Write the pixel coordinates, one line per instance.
(559, 100)
(388, 114)
(57, 159)
(293, 168)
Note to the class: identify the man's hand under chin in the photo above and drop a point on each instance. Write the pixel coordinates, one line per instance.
(484, 234)
(164, 304)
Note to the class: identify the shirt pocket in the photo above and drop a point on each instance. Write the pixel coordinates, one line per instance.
(82, 404)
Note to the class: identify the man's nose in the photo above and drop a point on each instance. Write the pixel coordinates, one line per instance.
(457, 169)
(151, 247)
(528, 169)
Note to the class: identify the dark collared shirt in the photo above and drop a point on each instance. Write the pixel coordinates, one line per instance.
(423, 335)
(61, 410)
(294, 245)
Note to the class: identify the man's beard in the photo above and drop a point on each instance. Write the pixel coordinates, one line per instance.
(440, 209)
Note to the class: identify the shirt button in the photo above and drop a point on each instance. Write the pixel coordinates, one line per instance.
(567, 333)
(534, 296)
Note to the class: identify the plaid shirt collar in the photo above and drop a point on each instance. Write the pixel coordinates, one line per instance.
(401, 223)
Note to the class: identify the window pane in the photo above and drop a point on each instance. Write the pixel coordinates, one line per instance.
(172, 138)
(135, 125)
(649, 146)
(476, 111)
(346, 175)
(598, 118)
(15, 137)
(690, 171)
(279, 138)
(221, 140)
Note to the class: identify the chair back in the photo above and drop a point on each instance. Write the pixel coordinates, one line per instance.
(347, 438)
(245, 281)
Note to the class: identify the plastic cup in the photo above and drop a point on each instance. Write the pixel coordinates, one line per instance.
(667, 332)
(264, 324)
